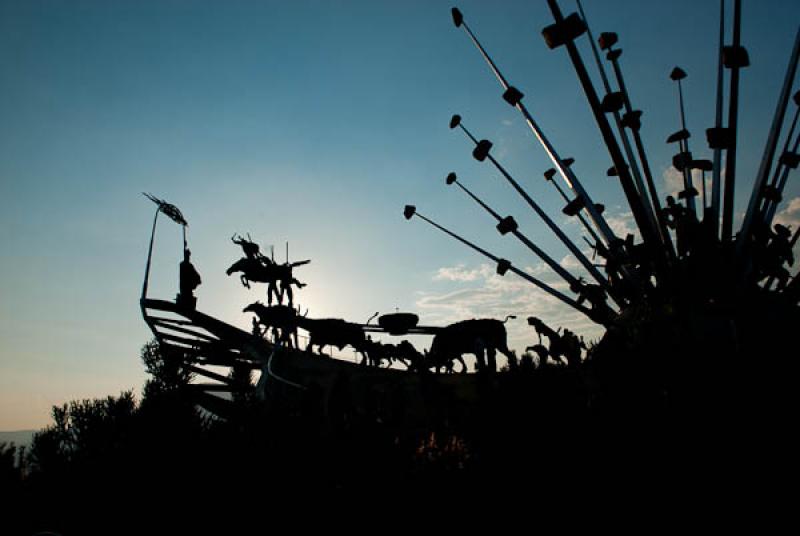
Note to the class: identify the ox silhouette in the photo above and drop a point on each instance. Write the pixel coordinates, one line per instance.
(281, 318)
(375, 353)
(334, 332)
(479, 337)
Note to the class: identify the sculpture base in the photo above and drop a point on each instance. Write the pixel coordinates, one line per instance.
(187, 302)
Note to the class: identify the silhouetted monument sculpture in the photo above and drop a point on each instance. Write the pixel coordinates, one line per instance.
(189, 280)
(255, 267)
(682, 284)
(709, 265)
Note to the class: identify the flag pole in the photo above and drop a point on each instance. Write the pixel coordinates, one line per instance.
(150, 255)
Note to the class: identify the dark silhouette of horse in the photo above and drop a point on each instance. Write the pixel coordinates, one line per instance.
(264, 270)
(480, 337)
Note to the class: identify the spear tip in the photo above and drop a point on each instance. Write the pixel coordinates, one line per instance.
(458, 18)
(677, 74)
(607, 40)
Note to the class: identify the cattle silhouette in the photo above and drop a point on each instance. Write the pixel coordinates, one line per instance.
(479, 337)
(334, 332)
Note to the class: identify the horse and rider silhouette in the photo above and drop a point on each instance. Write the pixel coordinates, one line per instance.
(256, 267)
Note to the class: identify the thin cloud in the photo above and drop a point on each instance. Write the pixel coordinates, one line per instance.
(790, 216)
(623, 224)
(673, 182)
(459, 273)
(487, 295)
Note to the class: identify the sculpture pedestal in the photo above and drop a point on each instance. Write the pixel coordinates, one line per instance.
(186, 301)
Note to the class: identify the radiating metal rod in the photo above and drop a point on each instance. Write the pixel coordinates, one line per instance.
(569, 177)
(769, 150)
(586, 225)
(716, 177)
(733, 114)
(780, 184)
(552, 263)
(593, 271)
(506, 265)
(628, 186)
(623, 134)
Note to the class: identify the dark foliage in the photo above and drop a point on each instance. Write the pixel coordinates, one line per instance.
(648, 424)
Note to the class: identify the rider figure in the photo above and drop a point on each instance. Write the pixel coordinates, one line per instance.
(258, 267)
(250, 248)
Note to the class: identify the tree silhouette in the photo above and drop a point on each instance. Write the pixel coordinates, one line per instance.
(167, 368)
(11, 464)
(83, 431)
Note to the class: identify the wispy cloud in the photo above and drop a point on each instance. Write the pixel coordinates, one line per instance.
(623, 224)
(790, 216)
(673, 182)
(484, 294)
(461, 273)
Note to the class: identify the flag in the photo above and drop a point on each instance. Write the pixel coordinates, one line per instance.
(170, 210)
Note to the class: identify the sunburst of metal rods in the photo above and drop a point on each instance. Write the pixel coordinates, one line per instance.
(652, 269)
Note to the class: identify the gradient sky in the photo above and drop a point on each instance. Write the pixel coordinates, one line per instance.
(312, 123)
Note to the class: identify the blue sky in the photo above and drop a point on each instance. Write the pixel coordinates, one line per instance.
(312, 123)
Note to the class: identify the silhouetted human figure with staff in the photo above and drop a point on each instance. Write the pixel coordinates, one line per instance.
(189, 280)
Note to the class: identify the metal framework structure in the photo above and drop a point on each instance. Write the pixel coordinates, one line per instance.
(656, 272)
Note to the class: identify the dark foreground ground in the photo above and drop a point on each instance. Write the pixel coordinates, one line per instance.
(679, 417)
